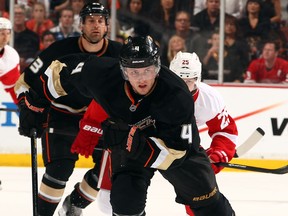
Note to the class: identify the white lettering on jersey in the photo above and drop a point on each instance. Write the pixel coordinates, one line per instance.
(186, 132)
(224, 118)
(78, 68)
(36, 65)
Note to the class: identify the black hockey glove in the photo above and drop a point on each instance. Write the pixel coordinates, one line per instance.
(32, 114)
(135, 143)
(115, 133)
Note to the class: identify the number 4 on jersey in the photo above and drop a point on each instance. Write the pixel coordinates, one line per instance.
(186, 132)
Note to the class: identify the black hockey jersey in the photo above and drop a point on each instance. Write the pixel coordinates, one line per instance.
(74, 102)
(166, 113)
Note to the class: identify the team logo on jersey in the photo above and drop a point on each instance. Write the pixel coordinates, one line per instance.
(145, 123)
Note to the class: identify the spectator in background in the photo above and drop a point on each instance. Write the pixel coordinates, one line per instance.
(193, 40)
(254, 27)
(55, 7)
(3, 11)
(232, 68)
(9, 59)
(132, 21)
(272, 10)
(236, 47)
(207, 20)
(163, 17)
(26, 42)
(232, 7)
(269, 68)
(39, 22)
(175, 44)
(76, 6)
(47, 39)
(65, 27)
(185, 5)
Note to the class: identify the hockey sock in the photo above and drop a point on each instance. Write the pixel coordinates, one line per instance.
(80, 198)
(46, 208)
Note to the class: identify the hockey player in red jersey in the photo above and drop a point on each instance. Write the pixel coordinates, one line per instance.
(9, 59)
(151, 127)
(210, 109)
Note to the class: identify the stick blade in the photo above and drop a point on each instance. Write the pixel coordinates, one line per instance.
(250, 142)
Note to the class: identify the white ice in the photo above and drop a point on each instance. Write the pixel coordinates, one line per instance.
(251, 194)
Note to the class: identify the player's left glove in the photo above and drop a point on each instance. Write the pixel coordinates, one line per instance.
(87, 138)
(115, 132)
(217, 156)
(129, 142)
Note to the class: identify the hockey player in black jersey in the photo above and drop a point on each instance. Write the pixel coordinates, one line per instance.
(151, 127)
(64, 113)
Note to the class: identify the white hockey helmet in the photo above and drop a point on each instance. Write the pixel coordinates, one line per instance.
(5, 23)
(187, 66)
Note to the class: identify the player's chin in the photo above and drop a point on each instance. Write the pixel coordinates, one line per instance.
(143, 90)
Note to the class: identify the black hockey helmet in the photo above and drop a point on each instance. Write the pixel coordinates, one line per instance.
(139, 52)
(94, 8)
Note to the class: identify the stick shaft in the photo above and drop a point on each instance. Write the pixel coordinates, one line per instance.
(102, 169)
(34, 166)
(281, 170)
(9, 110)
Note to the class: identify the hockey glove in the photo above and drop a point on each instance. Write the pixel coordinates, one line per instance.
(33, 112)
(87, 138)
(115, 133)
(216, 156)
(135, 143)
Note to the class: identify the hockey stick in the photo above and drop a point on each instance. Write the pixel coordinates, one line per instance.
(280, 170)
(34, 166)
(65, 133)
(61, 132)
(9, 110)
(102, 168)
(250, 142)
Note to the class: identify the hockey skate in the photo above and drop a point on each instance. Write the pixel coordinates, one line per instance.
(68, 209)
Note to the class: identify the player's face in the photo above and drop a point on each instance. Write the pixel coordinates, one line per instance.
(94, 28)
(142, 79)
(191, 83)
(5, 35)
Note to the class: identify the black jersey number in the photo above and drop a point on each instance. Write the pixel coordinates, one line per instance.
(186, 132)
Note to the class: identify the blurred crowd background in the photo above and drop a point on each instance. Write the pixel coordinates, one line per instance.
(176, 25)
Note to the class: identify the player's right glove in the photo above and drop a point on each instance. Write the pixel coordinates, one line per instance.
(217, 156)
(32, 113)
(87, 138)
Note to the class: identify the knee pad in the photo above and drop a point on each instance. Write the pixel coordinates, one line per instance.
(58, 173)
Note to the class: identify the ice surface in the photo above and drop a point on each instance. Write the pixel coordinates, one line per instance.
(251, 194)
